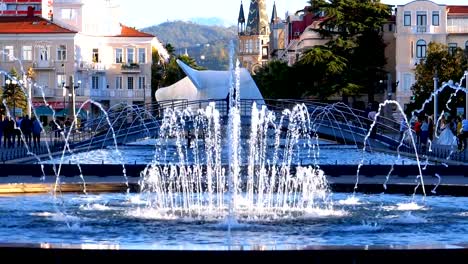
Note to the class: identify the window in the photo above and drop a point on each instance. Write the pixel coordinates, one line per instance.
(435, 18)
(95, 55)
(407, 19)
(118, 55)
(8, 53)
(466, 45)
(452, 48)
(27, 53)
(390, 27)
(62, 53)
(11, 7)
(421, 49)
(44, 53)
(130, 55)
(142, 55)
(68, 13)
(61, 80)
(421, 21)
(130, 83)
(141, 82)
(118, 82)
(95, 82)
(407, 81)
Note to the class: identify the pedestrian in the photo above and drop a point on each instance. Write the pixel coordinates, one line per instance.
(26, 129)
(417, 130)
(465, 133)
(424, 132)
(36, 132)
(403, 128)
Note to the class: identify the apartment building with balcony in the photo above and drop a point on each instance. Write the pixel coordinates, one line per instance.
(20, 7)
(113, 61)
(419, 23)
(32, 43)
(82, 53)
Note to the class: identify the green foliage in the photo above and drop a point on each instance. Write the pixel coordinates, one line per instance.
(13, 95)
(157, 73)
(353, 59)
(194, 38)
(172, 72)
(448, 67)
(274, 82)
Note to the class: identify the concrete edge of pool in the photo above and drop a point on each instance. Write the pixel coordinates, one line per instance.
(309, 254)
(29, 178)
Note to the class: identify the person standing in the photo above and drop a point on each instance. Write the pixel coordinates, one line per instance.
(403, 128)
(36, 132)
(424, 132)
(26, 129)
(464, 133)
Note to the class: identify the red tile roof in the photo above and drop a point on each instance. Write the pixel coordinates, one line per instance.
(129, 32)
(453, 9)
(30, 25)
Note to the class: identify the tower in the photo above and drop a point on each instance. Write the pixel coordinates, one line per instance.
(255, 37)
(277, 35)
(241, 21)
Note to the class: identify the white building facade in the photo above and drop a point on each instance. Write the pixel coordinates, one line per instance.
(419, 23)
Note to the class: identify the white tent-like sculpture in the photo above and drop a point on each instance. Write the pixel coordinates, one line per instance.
(208, 85)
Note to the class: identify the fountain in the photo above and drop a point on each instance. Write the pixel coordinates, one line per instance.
(251, 181)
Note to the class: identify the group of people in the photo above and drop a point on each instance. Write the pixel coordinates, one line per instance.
(12, 132)
(447, 131)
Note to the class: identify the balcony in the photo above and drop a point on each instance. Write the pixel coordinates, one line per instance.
(46, 92)
(457, 25)
(100, 94)
(131, 94)
(130, 68)
(43, 66)
(92, 66)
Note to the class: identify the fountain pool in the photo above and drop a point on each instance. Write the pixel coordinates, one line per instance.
(120, 221)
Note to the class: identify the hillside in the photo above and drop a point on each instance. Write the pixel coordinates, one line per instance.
(209, 45)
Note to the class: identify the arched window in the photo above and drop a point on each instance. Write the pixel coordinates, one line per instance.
(421, 49)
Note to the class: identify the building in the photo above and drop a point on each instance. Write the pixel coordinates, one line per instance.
(254, 36)
(94, 58)
(419, 23)
(43, 47)
(20, 7)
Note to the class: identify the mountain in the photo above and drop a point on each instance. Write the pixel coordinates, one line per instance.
(211, 21)
(208, 45)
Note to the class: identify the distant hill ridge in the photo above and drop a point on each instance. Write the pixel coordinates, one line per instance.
(209, 45)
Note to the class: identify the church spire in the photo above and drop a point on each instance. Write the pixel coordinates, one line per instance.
(241, 20)
(257, 23)
(274, 14)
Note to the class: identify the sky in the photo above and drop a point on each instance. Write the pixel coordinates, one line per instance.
(144, 13)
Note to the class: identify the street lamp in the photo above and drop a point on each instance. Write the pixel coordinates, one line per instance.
(14, 83)
(71, 95)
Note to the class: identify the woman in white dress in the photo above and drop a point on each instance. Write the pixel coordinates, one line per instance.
(446, 137)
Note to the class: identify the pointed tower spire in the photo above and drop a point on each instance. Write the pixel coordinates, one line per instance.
(257, 23)
(274, 14)
(241, 20)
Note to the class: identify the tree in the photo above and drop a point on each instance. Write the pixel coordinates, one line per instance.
(172, 72)
(13, 95)
(354, 56)
(274, 82)
(157, 73)
(448, 65)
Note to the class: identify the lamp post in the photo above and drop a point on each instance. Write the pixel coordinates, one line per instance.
(436, 84)
(466, 94)
(14, 83)
(71, 95)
